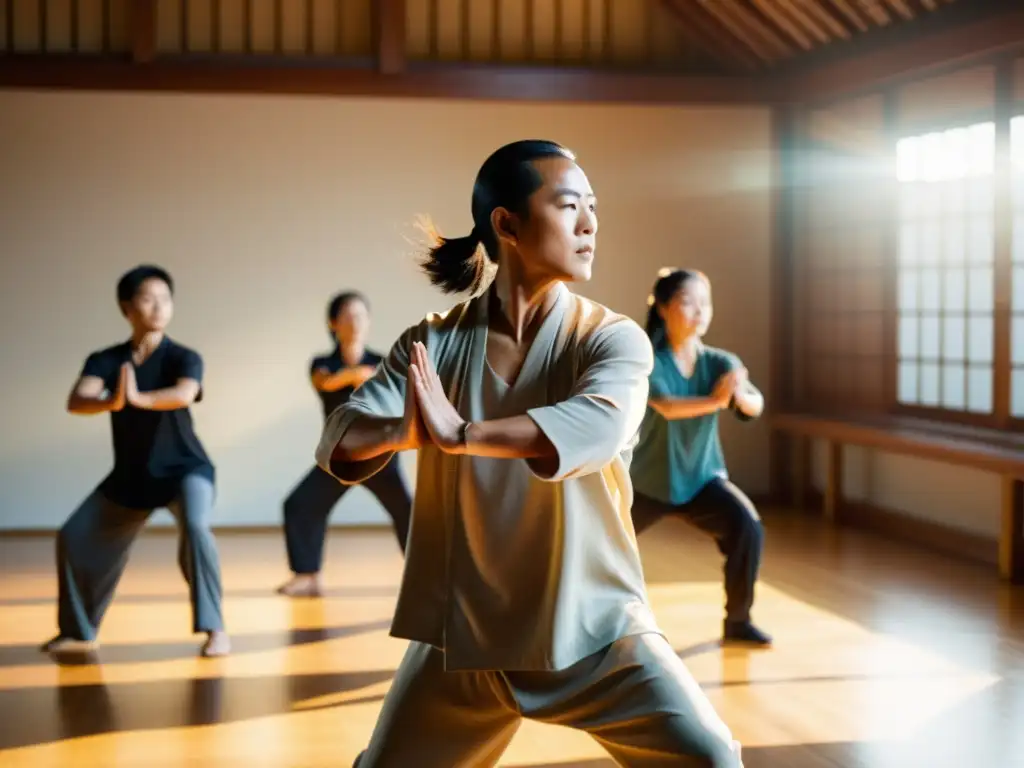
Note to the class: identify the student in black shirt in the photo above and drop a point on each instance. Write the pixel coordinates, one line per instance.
(335, 377)
(147, 385)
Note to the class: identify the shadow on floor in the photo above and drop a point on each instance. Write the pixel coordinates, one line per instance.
(354, 593)
(133, 653)
(44, 715)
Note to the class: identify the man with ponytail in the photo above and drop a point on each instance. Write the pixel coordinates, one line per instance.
(523, 593)
(678, 466)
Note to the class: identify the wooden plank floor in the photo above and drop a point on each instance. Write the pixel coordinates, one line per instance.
(886, 657)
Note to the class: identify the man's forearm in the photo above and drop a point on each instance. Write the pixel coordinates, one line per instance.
(368, 437)
(332, 382)
(685, 407)
(167, 399)
(89, 406)
(517, 437)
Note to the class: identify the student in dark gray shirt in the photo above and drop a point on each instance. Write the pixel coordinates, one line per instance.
(335, 377)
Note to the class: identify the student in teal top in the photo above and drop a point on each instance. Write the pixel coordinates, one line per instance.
(678, 466)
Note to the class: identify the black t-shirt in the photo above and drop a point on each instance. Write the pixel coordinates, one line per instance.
(333, 363)
(153, 450)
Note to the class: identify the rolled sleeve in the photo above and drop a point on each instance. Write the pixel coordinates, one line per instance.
(603, 414)
(99, 365)
(191, 367)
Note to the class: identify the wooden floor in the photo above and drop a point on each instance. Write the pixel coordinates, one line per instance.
(886, 657)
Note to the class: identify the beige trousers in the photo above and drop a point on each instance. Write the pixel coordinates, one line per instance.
(635, 697)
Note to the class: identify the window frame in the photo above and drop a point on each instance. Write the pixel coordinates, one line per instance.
(1001, 416)
(1015, 112)
(932, 412)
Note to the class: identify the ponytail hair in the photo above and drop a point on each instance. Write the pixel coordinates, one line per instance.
(456, 264)
(670, 281)
(654, 326)
(506, 180)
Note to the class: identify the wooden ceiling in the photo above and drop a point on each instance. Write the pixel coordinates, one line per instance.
(756, 35)
(651, 51)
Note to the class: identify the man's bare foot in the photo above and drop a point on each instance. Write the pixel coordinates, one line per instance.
(217, 644)
(62, 644)
(302, 585)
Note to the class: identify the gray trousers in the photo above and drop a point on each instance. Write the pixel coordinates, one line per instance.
(92, 551)
(635, 697)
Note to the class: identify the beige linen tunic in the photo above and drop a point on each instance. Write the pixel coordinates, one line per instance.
(507, 569)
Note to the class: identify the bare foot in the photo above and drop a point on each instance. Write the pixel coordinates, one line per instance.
(302, 585)
(62, 644)
(217, 644)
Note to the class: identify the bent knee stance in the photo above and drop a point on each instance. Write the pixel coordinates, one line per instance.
(714, 750)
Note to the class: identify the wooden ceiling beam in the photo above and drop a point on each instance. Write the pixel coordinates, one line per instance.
(454, 81)
(824, 16)
(758, 36)
(929, 50)
(141, 30)
(902, 8)
(709, 41)
(770, 12)
(846, 8)
(876, 11)
(715, 15)
(389, 30)
(804, 19)
(717, 37)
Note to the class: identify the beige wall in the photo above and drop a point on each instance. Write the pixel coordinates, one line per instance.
(262, 207)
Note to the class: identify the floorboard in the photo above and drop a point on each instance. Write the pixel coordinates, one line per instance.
(886, 655)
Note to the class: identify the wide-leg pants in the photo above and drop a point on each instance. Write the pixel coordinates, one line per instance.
(635, 697)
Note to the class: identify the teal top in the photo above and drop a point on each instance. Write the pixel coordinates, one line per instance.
(675, 459)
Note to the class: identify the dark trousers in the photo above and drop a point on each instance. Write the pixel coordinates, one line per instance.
(722, 511)
(92, 551)
(309, 505)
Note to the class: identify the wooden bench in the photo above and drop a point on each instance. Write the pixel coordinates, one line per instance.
(1000, 453)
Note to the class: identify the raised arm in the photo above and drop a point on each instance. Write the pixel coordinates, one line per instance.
(748, 401)
(183, 393)
(676, 408)
(745, 400)
(574, 437)
(515, 437)
(90, 395)
(602, 416)
(361, 436)
(353, 376)
(732, 389)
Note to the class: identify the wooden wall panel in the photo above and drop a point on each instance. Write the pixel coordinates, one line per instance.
(287, 27)
(64, 26)
(840, 241)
